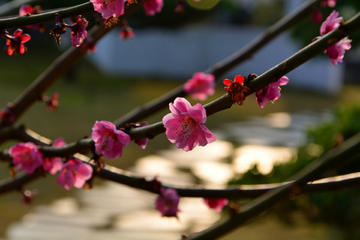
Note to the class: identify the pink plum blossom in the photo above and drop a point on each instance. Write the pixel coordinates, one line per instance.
(217, 203)
(336, 52)
(185, 125)
(330, 3)
(7, 115)
(167, 202)
(26, 156)
(332, 22)
(74, 173)
(108, 140)
(271, 92)
(54, 164)
(89, 45)
(151, 7)
(316, 17)
(16, 42)
(109, 8)
(200, 85)
(79, 32)
(26, 10)
(126, 33)
(142, 142)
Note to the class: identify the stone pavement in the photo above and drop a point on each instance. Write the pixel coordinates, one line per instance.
(114, 211)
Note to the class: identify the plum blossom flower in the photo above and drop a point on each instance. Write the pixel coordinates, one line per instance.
(126, 32)
(332, 22)
(336, 52)
(167, 202)
(142, 142)
(7, 115)
(330, 3)
(74, 173)
(27, 10)
(180, 6)
(79, 32)
(200, 85)
(51, 103)
(185, 125)
(236, 89)
(151, 7)
(89, 45)
(271, 92)
(54, 164)
(16, 42)
(109, 8)
(108, 140)
(26, 156)
(217, 203)
(316, 16)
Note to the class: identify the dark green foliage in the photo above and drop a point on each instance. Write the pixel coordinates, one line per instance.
(339, 210)
(306, 31)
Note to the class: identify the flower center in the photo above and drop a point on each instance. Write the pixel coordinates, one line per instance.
(105, 141)
(186, 128)
(108, 3)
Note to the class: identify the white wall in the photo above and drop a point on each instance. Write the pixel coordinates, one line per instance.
(177, 54)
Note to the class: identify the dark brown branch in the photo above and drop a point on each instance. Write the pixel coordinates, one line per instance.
(296, 185)
(46, 17)
(240, 192)
(17, 183)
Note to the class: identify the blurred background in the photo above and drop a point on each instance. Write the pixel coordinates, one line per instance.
(318, 109)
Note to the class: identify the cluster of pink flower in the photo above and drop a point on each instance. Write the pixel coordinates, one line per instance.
(78, 28)
(336, 52)
(115, 8)
(109, 9)
(168, 200)
(27, 157)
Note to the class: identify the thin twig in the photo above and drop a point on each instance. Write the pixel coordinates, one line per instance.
(46, 17)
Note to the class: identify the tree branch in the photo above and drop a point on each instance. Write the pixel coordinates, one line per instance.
(347, 150)
(239, 192)
(225, 101)
(60, 66)
(12, 6)
(46, 17)
(225, 65)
